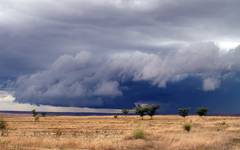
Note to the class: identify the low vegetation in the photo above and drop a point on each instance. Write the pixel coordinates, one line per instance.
(138, 134)
(202, 111)
(183, 112)
(125, 111)
(117, 133)
(106, 133)
(3, 126)
(43, 114)
(58, 133)
(34, 113)
(187, 127)
(36, 118)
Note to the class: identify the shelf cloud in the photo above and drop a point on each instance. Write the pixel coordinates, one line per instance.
(104, 53)
(88, 79)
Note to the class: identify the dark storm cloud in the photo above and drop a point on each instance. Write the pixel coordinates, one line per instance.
(88, 79)
(76, 52)
(55, 28)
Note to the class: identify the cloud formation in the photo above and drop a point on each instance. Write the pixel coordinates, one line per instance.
(85, 53)
(87, 79)
(210, 84)
(35, 33)
(8, 104)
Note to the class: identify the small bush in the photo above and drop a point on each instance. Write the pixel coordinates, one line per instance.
(138, 134)
(125, 111)
(58, 133)
(43, 114)
(223, 123)
(3, 125)
(34, 113)
(115, 116)
(202, 111)
(183, 112)
(36, 118)
(187, 127)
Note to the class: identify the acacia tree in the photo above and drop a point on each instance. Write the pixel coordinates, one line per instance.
(151, 109)
(183, 112)
(125, 111)
(202, 111)
(140, 110)
(146, 109)
(34, 113)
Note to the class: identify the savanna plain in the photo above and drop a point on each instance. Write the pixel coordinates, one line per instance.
(121, 133)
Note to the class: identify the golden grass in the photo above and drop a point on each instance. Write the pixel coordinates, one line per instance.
(108, 133)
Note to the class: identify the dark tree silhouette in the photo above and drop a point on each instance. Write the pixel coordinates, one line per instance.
(151, 109)
(202, 111)
(140, 110)
(43, 114)
(146, 109)
(3, 127)
(183, 112)
(125, 111)
(34, 113)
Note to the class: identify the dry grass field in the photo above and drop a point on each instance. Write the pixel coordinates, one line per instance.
(107, 133)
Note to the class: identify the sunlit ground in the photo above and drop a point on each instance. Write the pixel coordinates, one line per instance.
(109, 133)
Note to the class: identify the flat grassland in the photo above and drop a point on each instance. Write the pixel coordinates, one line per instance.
(108, 133)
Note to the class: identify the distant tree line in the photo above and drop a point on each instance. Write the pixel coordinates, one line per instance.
(37, 115)
(151, 109)
(146, 109)
(143, 109)
(201, 111)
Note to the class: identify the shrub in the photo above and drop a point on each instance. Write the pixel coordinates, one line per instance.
(58, 133)
(36, 118)
(34, 113)
(3, 125)
(138, 134)
(115, 116)
(202, 111)
(43, 114)
(125, 111)
(187, 127)
(183, 112)
(223, 123)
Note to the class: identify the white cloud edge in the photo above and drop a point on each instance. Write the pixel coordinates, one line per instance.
(7, 103)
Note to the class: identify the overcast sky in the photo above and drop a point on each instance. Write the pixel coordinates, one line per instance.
(114, 53)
